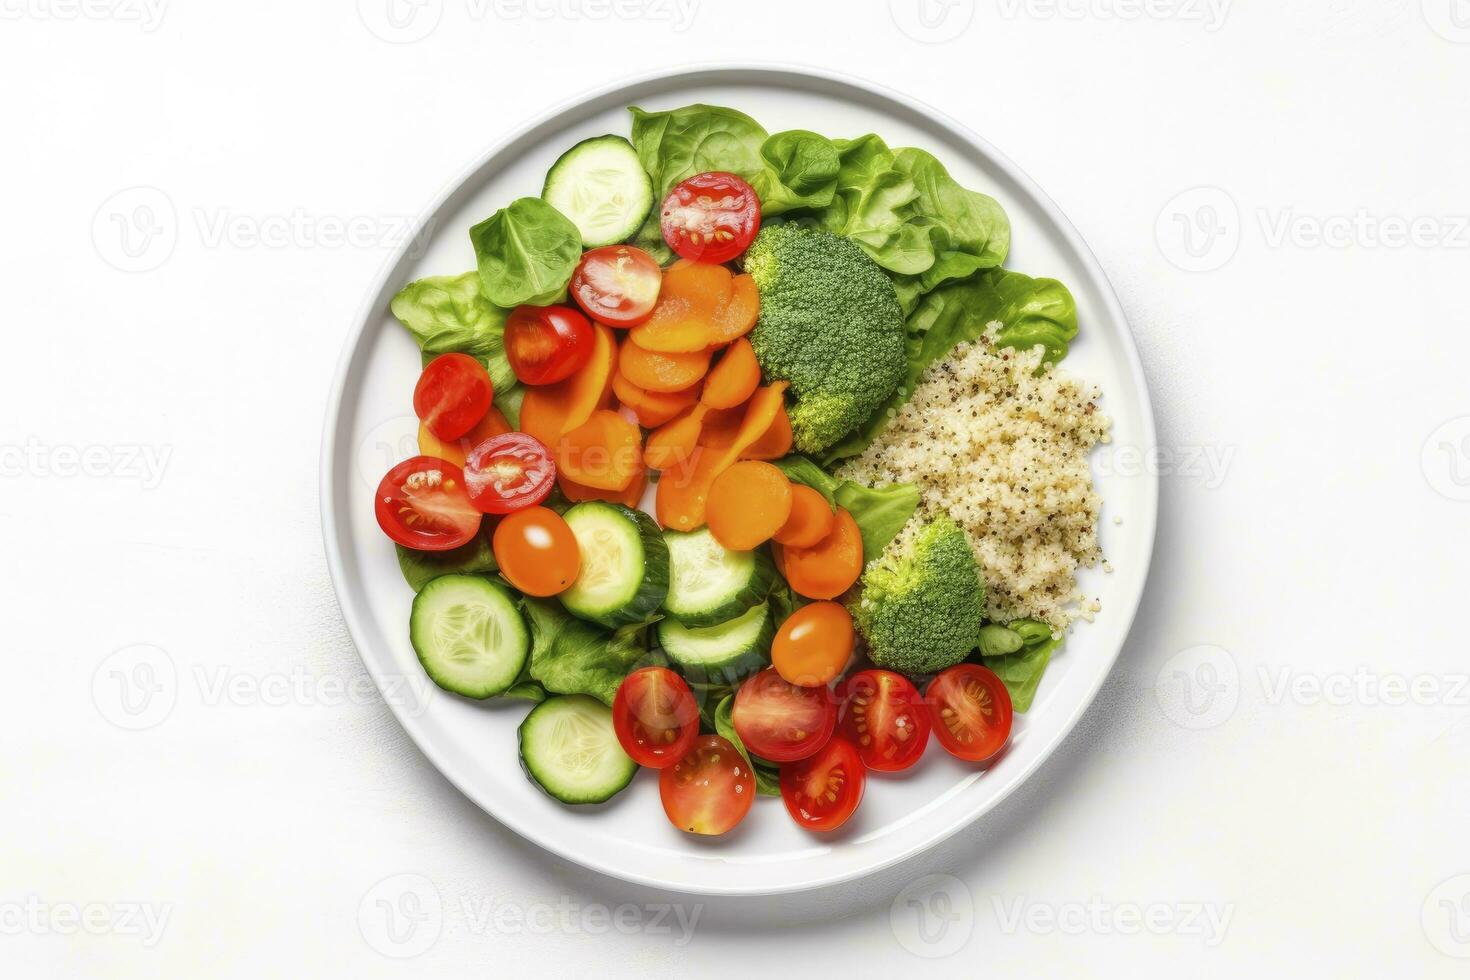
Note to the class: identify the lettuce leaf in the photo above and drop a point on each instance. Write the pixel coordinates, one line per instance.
(472, 558)
(571, 656)
(450, 313)
(526, 253)
(1021, 671)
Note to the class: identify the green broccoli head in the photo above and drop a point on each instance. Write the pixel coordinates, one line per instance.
(830, 324)
(922, 601)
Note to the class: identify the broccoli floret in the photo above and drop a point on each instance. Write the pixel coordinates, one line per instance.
(922, 601)
(830, 324)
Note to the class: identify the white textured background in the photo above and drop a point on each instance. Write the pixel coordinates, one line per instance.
(1279, 192)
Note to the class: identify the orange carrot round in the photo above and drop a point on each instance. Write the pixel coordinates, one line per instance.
(811, 519)
(738, 313)
(672, 444)
(655, 371)
(747, 504)
(602, 452)
(828, 568)
(734, 378)
(653, 408)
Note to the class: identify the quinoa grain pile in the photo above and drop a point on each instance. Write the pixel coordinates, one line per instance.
(1003, 450)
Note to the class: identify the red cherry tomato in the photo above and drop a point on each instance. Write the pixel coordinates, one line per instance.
(536, 551)
(655, 716)
(547, 344)
(821, 792)
(971, 712)
(422, 504)
(710, 217)
(617, 285)
(453, 395)
(509, 472)
(709, 789)
(780, 721)
(885, 718)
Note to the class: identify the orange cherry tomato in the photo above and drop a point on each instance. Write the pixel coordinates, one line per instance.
(537, 552)
(814, 644)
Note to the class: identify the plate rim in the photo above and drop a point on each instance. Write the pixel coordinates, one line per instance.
(712, 73)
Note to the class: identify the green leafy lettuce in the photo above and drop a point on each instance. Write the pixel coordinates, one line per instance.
(450, 313)
(1019, 653)
(1029, 311)
(526, 253)
(572, 656)
(473, 558)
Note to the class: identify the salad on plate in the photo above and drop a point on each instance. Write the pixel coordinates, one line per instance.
(743, 458)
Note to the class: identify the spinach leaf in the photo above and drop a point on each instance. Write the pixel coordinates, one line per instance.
(472, 558)
(450, 313)
(873, 205)
(1021, 671)
(880, 512)
(572, 656)
(1030, 311)
(969, 230)
(767, 774)
(800, 172)
(526, 253)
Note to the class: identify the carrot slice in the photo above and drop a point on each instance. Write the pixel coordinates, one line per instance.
(673, 443)
(811, 519)
(775, 442)
(683, 492)
(656, 371)
(632, 496)
(739, 313)
(548, 411)
(602, 452)
(653, 408)
(493, 424)
(734, 378)
(747, 504)
(690, 300)
(828, 568)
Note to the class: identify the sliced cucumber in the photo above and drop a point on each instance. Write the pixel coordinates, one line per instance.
(600, 185)
(722, 654)
(469, 635)
(625, 564)
(569, 749)
(708, 583)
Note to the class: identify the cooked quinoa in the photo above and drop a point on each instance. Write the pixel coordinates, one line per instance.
(1003, 450)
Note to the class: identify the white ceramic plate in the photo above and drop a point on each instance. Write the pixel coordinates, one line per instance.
(369, 428)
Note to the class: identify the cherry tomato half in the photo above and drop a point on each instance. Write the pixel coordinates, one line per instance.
(814, 644)
(885, 718)
(710, 217)
(709, 790)
(782, 722)
(452, 395)
(509, 472)
(617, 285)
(422, 504)
(547, 344)
(656, 717)
(820, 793)
(971, 712)
(536, 551)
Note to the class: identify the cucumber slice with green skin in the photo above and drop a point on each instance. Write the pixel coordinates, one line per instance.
(625, 564)
(708, 583)
(723, 654)
(600, 185)
(569, 748)
(469, 635)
